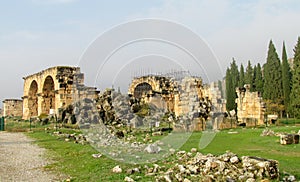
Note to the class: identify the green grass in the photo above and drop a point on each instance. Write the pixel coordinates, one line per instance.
(248, 142)
(18, 125)
(290, 121)
(75, 160)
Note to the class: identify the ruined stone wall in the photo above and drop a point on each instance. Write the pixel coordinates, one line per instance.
(52, 89)
(12, 107)
(157, 90)
(182, 96)
(250, 107)
(213, 92)
(187, 99)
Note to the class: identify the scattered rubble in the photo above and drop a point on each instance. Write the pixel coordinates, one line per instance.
(226, 167)
(117, 169)
(76, 138)
(188, 166)
(289, 178)
(153, 149)
(268, 132)
(286, 139)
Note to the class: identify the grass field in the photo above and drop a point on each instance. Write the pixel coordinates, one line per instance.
(76, 161)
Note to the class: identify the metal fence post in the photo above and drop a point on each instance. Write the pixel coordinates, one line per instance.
(2, 124)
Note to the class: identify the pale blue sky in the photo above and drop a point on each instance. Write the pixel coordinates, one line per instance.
(36, 34)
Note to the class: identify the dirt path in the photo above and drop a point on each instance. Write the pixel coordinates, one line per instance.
(21, 160)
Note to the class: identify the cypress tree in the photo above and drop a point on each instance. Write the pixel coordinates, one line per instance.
(254, 78)
(242, 76)
(295, 92)
(229, 103)
(234, 74)
(249, 75)
(286, 79)
(272, 76)
(258, 80)
(232, 79)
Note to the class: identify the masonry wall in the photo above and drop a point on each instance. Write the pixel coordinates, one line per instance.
(213, 92)
(12, 107)
(190, 92)
(52, 90)
(250, 107)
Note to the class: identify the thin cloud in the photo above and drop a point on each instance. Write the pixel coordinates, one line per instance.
(21, 35)
(239, 29)
(53, 1)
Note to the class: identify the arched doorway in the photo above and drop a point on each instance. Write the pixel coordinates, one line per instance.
(142, 89)
(33, 99)
(48, 101)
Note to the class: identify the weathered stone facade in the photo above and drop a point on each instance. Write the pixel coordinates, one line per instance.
(12, 107)
(157, 90)
(53, 89)
(213, 92)
(250, 107)
(182, 96)
(189, 96)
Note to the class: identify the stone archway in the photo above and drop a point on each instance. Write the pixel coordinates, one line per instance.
(142, 89)
(33, 99)
(54, 88)
(48, 94)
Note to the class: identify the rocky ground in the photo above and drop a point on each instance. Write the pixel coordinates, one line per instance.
(21, 160)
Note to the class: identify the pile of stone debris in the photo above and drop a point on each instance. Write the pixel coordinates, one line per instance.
(285, 138)
(194, 166)
(76, 138)
(269, 132)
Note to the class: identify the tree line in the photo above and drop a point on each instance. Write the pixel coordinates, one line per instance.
(277, 81)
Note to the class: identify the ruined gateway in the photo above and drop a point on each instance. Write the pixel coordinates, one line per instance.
(53, 89)
(183, 96)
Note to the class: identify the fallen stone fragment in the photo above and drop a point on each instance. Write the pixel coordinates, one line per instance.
(117, 169)
(186, 180)
(286, 139)
(267, 132)
(152, 149)
(234, 159)
(193, 150)
(128, 179)
(97, 155)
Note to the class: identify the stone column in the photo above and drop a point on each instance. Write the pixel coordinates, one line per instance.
(40, 103)
(25, 108)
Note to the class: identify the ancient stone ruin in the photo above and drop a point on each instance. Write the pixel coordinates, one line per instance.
(54, 91)
(250, 107)
(12, 107)
(51, 90)
(213, 92)
(183, 96)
